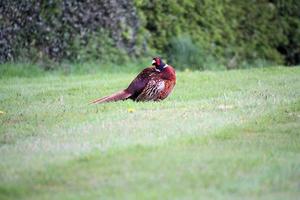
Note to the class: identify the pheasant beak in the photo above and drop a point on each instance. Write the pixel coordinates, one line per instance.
(153, 62)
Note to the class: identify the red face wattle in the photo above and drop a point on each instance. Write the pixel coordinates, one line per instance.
(156, 62)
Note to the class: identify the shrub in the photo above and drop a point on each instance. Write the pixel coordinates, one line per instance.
(228, 33)
(184, 53)
(42, 30)
(243, 31)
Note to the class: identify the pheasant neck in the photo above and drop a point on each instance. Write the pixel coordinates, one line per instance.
(162, 66)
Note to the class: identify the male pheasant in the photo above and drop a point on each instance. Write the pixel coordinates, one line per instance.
(152, 84)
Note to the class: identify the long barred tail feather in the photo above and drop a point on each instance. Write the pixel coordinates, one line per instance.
(121, 95)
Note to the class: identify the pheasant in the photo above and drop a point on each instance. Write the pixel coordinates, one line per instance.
(154, 83)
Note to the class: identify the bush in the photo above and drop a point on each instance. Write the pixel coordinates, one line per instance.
(186, 54)
(98, 47)
(213, 33)
(234, 30)
(42, 30)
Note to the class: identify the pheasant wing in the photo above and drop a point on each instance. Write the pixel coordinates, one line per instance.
(152, 90)
(141, 81)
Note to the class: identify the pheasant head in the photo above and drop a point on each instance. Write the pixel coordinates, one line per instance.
(158, 63)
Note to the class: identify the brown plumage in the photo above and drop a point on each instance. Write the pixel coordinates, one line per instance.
(152, 84)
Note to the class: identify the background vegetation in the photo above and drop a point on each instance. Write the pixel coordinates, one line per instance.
(201, 34)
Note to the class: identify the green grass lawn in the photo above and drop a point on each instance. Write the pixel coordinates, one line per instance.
(220, 135)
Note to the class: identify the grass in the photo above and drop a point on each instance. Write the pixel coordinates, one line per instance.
(220, 135)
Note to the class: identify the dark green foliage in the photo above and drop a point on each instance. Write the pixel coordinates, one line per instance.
(98, 46)
(48, 29)
(184, 53)
(232, 32)
(195, 34)
(289, 22)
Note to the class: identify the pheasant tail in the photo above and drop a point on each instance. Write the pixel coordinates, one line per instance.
(121, 95)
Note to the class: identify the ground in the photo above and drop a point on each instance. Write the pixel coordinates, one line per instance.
(220, 135)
